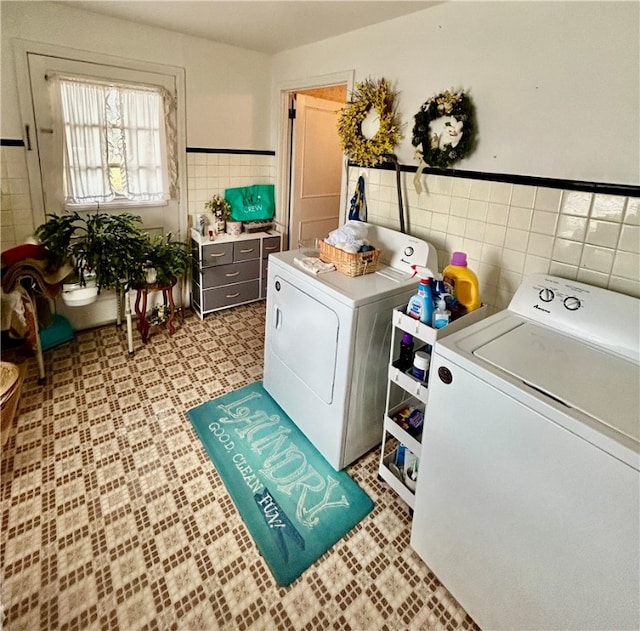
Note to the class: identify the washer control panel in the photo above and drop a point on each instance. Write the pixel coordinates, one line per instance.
(572, 303)
(604, 317)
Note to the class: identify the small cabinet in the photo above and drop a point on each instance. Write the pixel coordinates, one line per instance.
(406, 408)
(231, 270)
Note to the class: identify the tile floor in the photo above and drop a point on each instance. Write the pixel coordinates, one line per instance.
(113, 516)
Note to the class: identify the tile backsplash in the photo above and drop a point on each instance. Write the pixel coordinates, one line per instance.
(509, 231)
(16, 218)
(209, 174)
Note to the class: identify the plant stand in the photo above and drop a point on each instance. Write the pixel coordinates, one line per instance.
(141, 307)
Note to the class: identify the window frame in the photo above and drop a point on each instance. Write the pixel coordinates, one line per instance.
(120, 201)
(119, 68)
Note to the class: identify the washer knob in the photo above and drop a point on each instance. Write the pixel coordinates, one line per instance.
(572, 303)
(408, 251)
(546, 295)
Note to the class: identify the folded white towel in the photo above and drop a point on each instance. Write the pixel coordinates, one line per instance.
(314, 265)
(349, 237)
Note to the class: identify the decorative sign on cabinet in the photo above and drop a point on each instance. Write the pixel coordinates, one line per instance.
(231, 270)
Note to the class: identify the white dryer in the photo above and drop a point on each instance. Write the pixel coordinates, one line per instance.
(527, 501)
(327, 343)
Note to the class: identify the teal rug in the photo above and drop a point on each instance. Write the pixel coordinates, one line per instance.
(295, 505)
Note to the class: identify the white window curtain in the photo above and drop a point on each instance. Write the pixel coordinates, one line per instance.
(107, 126)
(86, 172)
(144, 155)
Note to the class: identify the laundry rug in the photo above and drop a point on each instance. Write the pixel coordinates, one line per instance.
(295, 505)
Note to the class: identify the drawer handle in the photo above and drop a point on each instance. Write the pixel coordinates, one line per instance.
(232, 274)
(217, 254)
(270, 247)
(246, 251)
(233, 295)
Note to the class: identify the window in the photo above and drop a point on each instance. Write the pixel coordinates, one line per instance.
(114, 142)
(40, 67)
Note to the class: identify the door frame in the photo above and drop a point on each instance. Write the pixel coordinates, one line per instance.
(283, 163)
(22, 48)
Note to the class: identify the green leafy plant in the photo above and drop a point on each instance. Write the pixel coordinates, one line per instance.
(168, 257)
(108, 246)
(114, 248)
(219, 207)
(158, 315)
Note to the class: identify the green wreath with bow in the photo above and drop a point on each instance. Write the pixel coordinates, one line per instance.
(370, 95)
(455, 137)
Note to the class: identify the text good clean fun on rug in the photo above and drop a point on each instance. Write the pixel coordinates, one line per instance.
(294, 503)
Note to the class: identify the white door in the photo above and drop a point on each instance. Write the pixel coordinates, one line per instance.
(44, 163)
(316, 171)
(162, 218)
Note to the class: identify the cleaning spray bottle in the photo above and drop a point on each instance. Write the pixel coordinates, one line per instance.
(420, 305)
(462, 282)
(441, 315)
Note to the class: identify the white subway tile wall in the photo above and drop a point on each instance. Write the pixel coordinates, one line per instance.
(510, 231)
(209, 174)
(16, 218)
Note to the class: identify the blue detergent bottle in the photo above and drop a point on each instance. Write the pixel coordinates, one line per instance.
(420, 305)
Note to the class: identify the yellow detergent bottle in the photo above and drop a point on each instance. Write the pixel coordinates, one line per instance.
(462, 282)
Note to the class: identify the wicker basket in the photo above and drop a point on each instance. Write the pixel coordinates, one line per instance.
(350, 264)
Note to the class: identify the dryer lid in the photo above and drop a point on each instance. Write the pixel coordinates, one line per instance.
(604, 386)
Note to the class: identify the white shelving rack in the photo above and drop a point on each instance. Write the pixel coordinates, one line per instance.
(403, 390)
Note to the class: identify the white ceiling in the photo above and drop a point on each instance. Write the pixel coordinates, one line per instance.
(261, 25)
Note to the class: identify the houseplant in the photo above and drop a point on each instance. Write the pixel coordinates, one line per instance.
(104, 250)
(220, 208)
(169, 258)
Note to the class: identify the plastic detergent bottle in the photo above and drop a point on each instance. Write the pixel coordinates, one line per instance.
(462, 282)
(420, 305)
(406, 352)
(420, 369)
(441, 315)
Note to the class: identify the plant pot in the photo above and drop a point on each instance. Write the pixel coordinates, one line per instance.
(77, 295)
(151, 275)
(234, 228)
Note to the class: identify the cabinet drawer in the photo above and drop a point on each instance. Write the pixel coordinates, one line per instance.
(270, 245)
(217, 254)
(231, 295)
(246, 250)
(228, 274)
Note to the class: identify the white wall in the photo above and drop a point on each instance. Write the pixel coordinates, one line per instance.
(227, 102)
(556, 85)
(227, 87)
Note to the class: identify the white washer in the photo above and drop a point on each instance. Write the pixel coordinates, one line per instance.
(527, 501)
(327, 343)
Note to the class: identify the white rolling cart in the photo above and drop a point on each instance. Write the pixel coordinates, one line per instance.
(405, 391)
